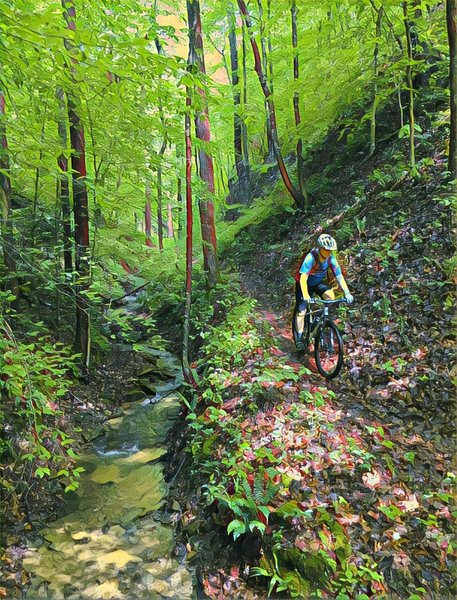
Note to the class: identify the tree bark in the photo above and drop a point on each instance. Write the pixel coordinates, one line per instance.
(451, 17)
(265, 67)
(270, 49)
(374, 107)
(37, 170)
(159, 188)
(240, 162)
(238, 151)
(202, 128)
(159, 207)
(7, 237)
(409, 83)
(63, 185)
(170, 228)
(296, 195)
(80, 205)
(188, 375)
(299, 150)
(99, 220)
(244, 130)
(179, 201)
(147, 216)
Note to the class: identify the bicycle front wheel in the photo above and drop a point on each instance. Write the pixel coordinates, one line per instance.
(328, 350)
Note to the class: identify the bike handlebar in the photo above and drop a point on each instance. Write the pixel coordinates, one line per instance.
(320, 301)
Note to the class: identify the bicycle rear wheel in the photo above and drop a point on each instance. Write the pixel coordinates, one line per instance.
(328, 350)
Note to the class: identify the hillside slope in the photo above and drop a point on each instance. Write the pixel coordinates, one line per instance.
(341, 489)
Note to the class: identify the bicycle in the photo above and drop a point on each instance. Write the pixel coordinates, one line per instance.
(328, 343)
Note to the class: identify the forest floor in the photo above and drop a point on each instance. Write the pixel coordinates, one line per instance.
(370, 453)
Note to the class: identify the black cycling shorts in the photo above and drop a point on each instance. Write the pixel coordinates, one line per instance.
(318, 289)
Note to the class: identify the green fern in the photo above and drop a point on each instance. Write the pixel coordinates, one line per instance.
(264, 489)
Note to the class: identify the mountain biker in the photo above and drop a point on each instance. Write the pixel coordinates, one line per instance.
(309, 281)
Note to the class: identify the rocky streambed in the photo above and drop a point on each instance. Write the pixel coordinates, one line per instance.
(112, 540)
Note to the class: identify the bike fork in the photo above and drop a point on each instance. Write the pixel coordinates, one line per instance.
(330, 346)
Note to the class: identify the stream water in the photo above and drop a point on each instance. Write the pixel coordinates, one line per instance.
(112, 541)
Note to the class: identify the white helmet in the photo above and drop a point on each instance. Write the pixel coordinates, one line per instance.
(327, 242)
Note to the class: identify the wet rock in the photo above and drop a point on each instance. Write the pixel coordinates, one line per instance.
(134, 395)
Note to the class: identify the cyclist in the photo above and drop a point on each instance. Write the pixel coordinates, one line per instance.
(309, 281)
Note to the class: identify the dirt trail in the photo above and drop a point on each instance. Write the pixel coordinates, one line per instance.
(392, 405)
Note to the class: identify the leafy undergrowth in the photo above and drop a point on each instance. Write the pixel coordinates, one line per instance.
(35, 375)
(338, 490)
(325, 498)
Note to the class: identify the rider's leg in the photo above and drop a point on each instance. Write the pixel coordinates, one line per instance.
(300, 311)
(300, 314)
(325, 292)
(328, 295)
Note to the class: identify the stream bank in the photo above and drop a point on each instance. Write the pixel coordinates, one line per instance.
(114, 537)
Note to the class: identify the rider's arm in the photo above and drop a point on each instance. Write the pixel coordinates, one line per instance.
(343, 285)
(340, 278)
(304, 286)
(304, 274)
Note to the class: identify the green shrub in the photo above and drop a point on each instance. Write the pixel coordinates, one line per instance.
(35, 374)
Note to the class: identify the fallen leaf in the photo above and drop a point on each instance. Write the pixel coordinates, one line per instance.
(372, 480)
(410, 504)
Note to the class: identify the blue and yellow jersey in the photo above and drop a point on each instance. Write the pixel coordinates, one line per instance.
(316, 270)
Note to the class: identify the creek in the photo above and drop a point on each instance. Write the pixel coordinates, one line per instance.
(112, 540)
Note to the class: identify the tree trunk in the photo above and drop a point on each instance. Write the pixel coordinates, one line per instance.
(159, 207)
(244, 138)
(409, 83)
(160, 51)
(179, 201)
(265, 67)
(374, 107)
(270, 49)
(170, 228)
(37, 174)
(296, 195)
(299, 150)
(159, 187)
(99, 219)
(238, 151)
(58, 270)
(80, 206)
(7, 238)
(202, 128)
(63, 185)
(451, 17)
(147, 216)
(188, 375)
(240, 163)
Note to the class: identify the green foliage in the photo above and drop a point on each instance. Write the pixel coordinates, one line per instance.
(388, 174)
(249, 502)
(272, 571)
(35, 374)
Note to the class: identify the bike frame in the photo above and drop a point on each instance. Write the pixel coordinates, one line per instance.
(323, 311)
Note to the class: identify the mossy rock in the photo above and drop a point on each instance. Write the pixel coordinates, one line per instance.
(311, 567)
(134, 395)
(143, 425)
